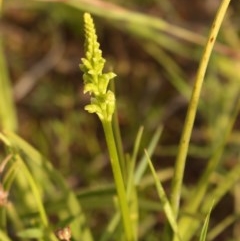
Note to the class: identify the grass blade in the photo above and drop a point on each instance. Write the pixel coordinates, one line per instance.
(164, 200)
(4, 237)
(8, 118)
(203, 234)
(72, 206)
(143, 162)
(192, 109)
(220, 227)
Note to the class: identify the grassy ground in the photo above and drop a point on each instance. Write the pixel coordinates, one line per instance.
(57, 169)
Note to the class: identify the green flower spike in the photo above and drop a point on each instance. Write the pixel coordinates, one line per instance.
(95, 81)
(103, 104)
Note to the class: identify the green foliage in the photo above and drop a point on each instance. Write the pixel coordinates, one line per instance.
(164, 200)
(203, 235)
(128, 208)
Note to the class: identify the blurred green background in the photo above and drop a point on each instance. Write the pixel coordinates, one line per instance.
(154, 47)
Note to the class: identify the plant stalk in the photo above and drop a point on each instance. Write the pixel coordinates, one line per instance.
(119, 182)
(191, 113)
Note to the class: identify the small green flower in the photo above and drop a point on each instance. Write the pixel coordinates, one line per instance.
(95, 81)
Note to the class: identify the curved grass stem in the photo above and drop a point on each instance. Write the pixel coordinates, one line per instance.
(191, 113)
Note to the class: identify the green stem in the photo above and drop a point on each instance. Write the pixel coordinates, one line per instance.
(199, 193)
(118, 139)
(121, 191)
(191, 113)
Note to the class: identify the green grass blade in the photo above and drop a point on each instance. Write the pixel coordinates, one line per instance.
(31, 233)
(176, 75)
(204, 230)
(192, 109)
(8, 119)
(116, 13)
(30, 180)
(198, 194)
(72, 206)
(111, 228)
(131, 187)
(3, 236)
(137, 145)
(164, 200)
(220, 227)
(150, 149)
(132, 198)
(8, 179)
(222, 187)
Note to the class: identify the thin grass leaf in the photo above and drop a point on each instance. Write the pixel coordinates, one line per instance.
(72, 206)
(204, 230)
(119, 14)
(8, 119)
(131, 187)
(3, 236)
(191, 113)
(36, 194)
(111, 228)
(150, 149)
(222, 187)
(198, 194)
(8, 178)
(220, 227)
(176, 75)
(30, 180)
(164, 200)
(9, 212)
(35, 233)
(133, 201)
(163, 175)
(14, 218)
(137, 145)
